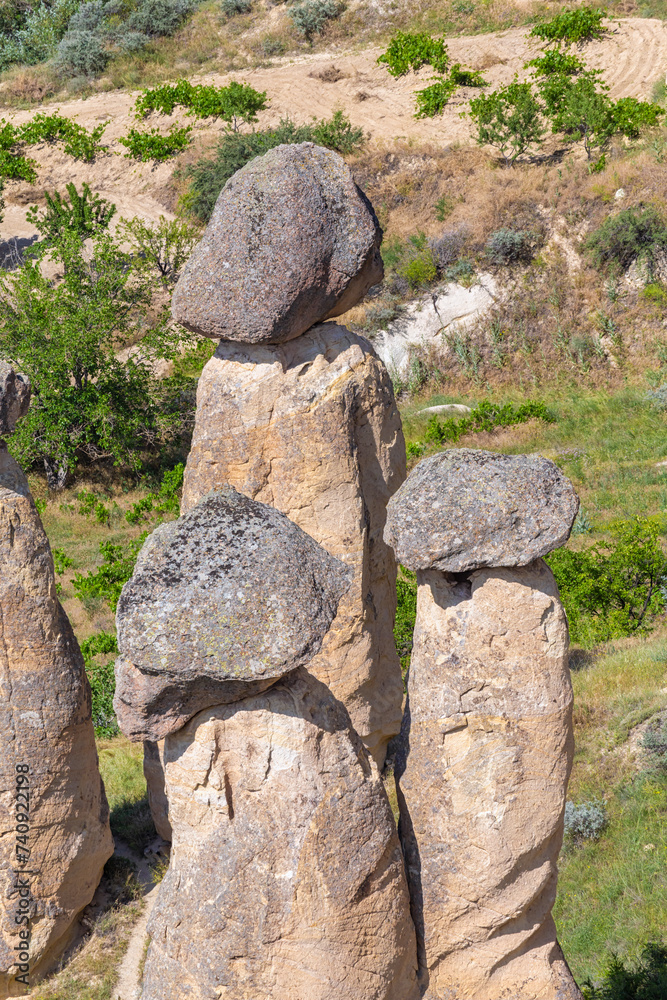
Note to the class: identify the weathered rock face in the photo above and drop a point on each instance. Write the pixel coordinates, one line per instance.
(292, 241)
(45, 726)
(286, 877)
(157, 794)
(221, 604)
(486, 759)
(463, 509)
(311, 427)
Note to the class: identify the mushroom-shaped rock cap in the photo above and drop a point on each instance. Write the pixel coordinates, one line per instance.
(292, 241)
(463, 509)
(222, 603)
(14, 398)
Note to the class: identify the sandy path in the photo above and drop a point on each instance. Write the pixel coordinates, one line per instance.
(128, 986)
(632, 57)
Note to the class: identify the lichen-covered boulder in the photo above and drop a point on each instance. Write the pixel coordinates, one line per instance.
(222, 603)
(464, 509)
(292, 241)
(312, 428)
(286, 877)
(14, 398)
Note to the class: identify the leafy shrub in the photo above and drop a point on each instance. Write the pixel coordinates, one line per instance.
(411, 259)
(446, 248)
(613, 589)
(485, 416)
(412, 51)
(461, 270)
(102, 682)
(555, 61)
(157, 18)
(507, 246)
(165, 501)
(656, 293)
(654, 741)
(466, 77)
(631, 235)
(164, 245)
(152, 145)
(233, 103)
(510, 119)
(431, 101)
(89, 17)
(77, 141)
(209, 176)
(132, 41)
(646, 981)
(406, 613)
(82, 52)
(272, 45)
(570, 27)
(116, 569)
(310, 17)
(42, 28)
(230, 8)
(585, 821)
(84, 213)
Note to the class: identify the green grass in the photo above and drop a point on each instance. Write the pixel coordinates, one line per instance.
(121, 764)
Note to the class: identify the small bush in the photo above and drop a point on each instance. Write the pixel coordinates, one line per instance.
(632, 235)
(152, 145)
(82, 52)
(237, 102)
(164, 245)
(466, 77)
(507, 246)
(272, 45)
(655, 293)
(411, 259)
(572, 26)
(556, 62)
(412, 51)
(446, 248)
(311, 17)
(485, 416)
(37, 39)
(654, 742)
(461, 271)
(584, 822)
(102, 682)
(84, 213)
(432, 100)
(157, 18)
(646, 981)
(230, 8)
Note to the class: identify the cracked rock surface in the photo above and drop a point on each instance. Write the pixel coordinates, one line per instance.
(222, 603)
(292, 241)
(465, 509)
(286, 877)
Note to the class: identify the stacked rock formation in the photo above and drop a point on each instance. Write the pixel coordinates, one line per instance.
(286, 877)
(486, 745)
(53, 810)
(297, 413)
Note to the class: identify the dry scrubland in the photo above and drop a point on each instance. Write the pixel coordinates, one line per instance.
(589, 344)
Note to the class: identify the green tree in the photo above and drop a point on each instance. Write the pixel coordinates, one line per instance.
(84, 213)
(164, 245)
(509, 119)
(65, 336)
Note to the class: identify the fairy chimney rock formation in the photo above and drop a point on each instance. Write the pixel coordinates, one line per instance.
(223, 603)
(52, 794)
(486, 746)
(286, 877)
(292, 241)
(297, 413)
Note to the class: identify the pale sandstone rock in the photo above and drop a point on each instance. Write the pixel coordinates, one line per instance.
(312, 428)
(157, 794)
(286, 878)
(292, 241)
(483, 769)
(45, 722)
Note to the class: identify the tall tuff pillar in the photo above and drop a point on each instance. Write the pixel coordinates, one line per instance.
(53, 811)
(286, 877)
(297, 413)
(486, 747)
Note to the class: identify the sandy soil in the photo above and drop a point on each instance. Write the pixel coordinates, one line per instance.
(632, 57)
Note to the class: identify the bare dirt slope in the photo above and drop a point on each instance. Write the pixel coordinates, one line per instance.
(632, 57)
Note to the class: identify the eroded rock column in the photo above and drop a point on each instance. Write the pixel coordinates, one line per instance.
(486, 746)
(286, 877)
(53, 810)
(297, 413)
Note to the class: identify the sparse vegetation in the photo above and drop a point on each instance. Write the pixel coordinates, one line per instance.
(310, 17)
(509, 119)
(150, 144)
(84, 214)
(572, 27)
(235, 103)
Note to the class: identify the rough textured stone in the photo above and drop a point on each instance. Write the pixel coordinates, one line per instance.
(292, 241)
(14, 398)
(221, 604)
(312, 428)
(286, 877)
(464, 509)
(157, 795)
(485, 755)
(45, 723)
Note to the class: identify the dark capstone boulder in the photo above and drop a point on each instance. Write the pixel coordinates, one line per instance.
(464, 509)
(223, 602)
(292, 241)
(14, 398)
